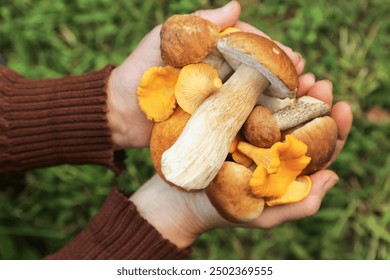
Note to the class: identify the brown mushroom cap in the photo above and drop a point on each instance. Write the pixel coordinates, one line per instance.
(320, 136)
(231, 195)
(263, 55)
(261, 128)
(164, 134)
(187, 39)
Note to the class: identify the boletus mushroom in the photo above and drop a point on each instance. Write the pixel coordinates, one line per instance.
(262, 128)
(187, 39)
(198, 154)
(230, 194)
(320, 136)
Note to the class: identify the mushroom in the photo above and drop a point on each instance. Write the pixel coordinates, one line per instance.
(217, 61)
(156, 92)
(187, 39)
(262, 128)
(231, 196)
(274, 104)
(164, 134)
(296, 191)
(195, 158)
(277, 166)
(320, 136)
(194, 84)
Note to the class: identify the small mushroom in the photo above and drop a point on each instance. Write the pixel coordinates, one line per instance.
(195, 83)
(230, 194)
(156, 92)
(277, 166)
(320, 136)
(195, 158)
(296, 191)
(262, 128)
(187, 39)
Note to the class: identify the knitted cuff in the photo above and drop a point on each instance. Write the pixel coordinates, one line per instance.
(119, 232)
(54, 121)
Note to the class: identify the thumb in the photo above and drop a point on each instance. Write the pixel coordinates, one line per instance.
(224, 17)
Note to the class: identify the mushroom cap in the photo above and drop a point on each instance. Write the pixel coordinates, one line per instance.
(195, 83)
(164, 135)
(156, 92)
(261, 128)
(230, 194)
(320, 136)
(263, 55)
(187, 39)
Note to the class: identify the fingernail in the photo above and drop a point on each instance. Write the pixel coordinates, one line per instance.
(331, 182)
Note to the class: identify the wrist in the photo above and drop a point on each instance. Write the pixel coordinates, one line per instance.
(179, 216)
(128, 124)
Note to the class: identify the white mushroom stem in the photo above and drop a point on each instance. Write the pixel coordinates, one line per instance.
(198, 154)
(274, 104)
(216, 60)
(305, 109)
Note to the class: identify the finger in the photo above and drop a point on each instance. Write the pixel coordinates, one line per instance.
(342, 115)
(322, 182)
(249, 28)
(224, 17)
(306, 81)
(322, 90)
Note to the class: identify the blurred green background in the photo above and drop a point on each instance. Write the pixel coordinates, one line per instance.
(346, 42)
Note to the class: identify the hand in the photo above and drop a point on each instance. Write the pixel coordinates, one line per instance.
(182, 216)
(128, 123)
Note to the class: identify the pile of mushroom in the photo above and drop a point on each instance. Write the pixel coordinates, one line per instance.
(227, 121)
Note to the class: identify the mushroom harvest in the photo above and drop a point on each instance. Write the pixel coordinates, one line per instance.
(217, 134)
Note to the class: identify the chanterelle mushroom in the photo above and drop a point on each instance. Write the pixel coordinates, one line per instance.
(194, 160)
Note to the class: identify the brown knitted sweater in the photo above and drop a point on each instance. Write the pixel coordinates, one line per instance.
(56, 121)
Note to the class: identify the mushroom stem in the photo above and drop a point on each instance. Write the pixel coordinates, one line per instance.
(217, 61)
(198, 154)
(305, 109)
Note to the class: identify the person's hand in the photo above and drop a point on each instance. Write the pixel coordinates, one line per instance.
(182, 216)
(128, 123)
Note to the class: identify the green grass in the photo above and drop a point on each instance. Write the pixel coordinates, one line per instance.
(347, 43)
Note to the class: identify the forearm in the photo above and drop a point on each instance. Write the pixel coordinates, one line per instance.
(54, 121)
(118, 231)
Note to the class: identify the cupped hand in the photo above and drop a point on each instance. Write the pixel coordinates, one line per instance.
(182, 216)
(128, 123)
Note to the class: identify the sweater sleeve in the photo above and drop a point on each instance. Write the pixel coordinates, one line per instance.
(119, 232)
(48, 122)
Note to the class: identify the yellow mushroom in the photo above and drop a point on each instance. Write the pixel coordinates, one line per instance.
(156, 92)
(296, 191)
(228, 30)
(277, 167)
(195, 83)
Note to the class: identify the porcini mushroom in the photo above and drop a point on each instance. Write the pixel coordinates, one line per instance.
(164, 134)
(262, 128)
(187, 39)
(320, 136)
(230, 194)
(195, 158)
(195, 83)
